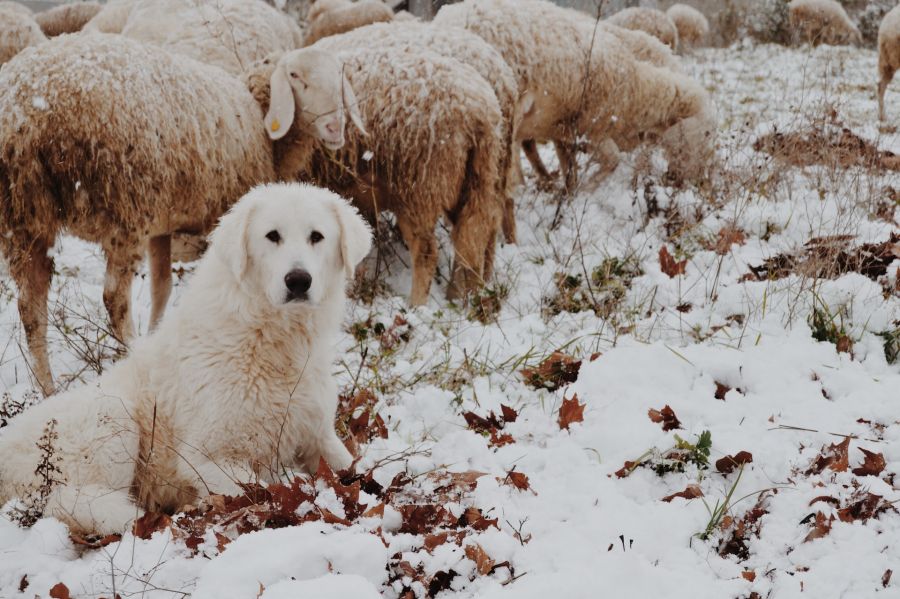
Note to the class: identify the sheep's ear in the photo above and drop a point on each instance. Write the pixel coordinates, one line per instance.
(356, 236)
(526, 103)
(281, 104)
(351, 105)
(230, 241)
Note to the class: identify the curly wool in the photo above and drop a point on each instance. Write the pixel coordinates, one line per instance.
(692, 25)
(649, 20)
(67, 18)
(888, 53)
(18, 30)
(111, 18)
(231, 34)
(333, 19)
(822, 22)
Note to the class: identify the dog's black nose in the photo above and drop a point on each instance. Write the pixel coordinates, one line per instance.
(298, 282)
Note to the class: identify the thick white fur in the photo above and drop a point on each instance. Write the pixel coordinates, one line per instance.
(233, 386)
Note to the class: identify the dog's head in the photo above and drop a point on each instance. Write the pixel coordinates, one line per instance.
(291, 244)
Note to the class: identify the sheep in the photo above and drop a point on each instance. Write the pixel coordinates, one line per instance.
(122, 143)
(18, 30)
(230, 34)
(67, 18)
(649, 20)
(434, 146)
(471, 50)
(888, 54)
(621, 100)
(692, 26)
(340, 17)
(111, 18)
(822, 22)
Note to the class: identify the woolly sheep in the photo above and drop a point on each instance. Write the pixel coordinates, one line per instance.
(67, 18)
(320, 7)
(18, 30)
(469, 49)
(111, 18)
(649, 20)
(822, 22)
(622, 100)
(333, 18)
(692, 25)
(122, 143)
(434, 148)
(888, 54)
(231, 34)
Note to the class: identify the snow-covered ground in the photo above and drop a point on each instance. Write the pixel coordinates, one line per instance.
(729, 353)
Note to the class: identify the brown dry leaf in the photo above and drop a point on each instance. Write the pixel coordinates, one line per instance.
(721, 390)
(626, 469)
(435, 540)
(690, 492)
(844, 345)
(375, 511)
(886, 577)
(23, 583)
(509, 415)
(474, 518)
(669, 265)
(95, 543)
(728, 236)
(483, 563)
(149, 523)
(729, 463)
(834, 457)
(518, 480)
(749, 575)
(872, 465)
(821, 527)
(262, 589)
(666, 416)
(865, 506)
(571, 411)
(60, 591)
(556, 371)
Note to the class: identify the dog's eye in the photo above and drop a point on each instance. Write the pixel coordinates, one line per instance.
(315, 237)
(273, 236)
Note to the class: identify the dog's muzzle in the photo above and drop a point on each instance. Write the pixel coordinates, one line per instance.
(298, 282)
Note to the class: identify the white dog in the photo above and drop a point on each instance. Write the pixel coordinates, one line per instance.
(234, 385)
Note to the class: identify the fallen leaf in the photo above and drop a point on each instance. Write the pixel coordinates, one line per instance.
(872, 465)
(721, 390)
(571, 411)
(556, 371)
(508, 414)
(844, 344)
(886, 578)
(23, 584)
(666, 416)
(668, 264)
(435, 540)
(149, 523)
(729, 463)
(474, 518)
(626, 469)
(690, 492)
(865, 506)
(483, 563)
(821, 527)
(834, 457)
(748, 575)
(728, 236)
(60, 591)
(518, 480)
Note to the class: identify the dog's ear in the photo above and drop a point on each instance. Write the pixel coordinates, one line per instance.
(230, 241)
(356, 235)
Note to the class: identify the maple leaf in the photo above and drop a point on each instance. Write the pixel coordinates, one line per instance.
(60, 591)
(821, 527)
(728, 236)
(556, 371)
(571, 411)
(729, 463)
(666, 416)
(834, 457)
(690, 492)
(483, 563)
(668, 264)
(509, 415)
(872, 465)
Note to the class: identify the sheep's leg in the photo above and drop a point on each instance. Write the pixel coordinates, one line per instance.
(32, 271)
(473, 239)
(121, 266)
(423, 250)
(160, 276)
(529, 146)
(886, 76)
(568, 165)
(509, 219)
(489, 252)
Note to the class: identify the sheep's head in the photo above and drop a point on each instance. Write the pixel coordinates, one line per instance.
(309, 90)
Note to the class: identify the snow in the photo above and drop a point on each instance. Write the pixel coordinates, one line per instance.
(668, 341)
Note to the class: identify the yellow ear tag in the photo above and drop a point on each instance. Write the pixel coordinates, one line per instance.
(275, 125)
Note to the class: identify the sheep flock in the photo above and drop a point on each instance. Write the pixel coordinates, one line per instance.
(466, 138)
